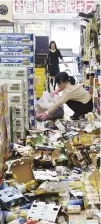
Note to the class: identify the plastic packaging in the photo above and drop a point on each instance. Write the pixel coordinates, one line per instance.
(23, 188)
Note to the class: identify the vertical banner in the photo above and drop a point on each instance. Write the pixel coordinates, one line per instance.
(18, 6)
(88, 42)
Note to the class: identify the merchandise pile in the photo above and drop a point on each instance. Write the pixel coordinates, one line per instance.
(52, 176)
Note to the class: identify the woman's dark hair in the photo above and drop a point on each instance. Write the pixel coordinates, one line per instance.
(64, 77)
(52, 42)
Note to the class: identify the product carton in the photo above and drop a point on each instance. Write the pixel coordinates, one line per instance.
(20, 134)
(13, 85)
(20, 124)
(16, 99)
(16, 38)
(17, 61)
(21, 167)
(16, 50)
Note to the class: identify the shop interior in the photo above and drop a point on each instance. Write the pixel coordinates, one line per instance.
(50, 111)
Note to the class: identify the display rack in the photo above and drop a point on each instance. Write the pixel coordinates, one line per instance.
(90, 51)
(4, 140)
(18, 51)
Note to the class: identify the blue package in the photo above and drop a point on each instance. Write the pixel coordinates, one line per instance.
(16, 50)
(31, 112)
(25, 61)
(20, 220)
(76, 202)
(30, 82)
(31, 102)
(26, 206)
(79, 170)
(3, 186)
(30, 92)
(33, 123)
(30, 71)
(16, 38)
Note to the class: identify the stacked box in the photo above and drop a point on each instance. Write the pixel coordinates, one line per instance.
(4, 141)
(21, 47)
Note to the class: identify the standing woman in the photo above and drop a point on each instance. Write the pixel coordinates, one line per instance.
(53, 61)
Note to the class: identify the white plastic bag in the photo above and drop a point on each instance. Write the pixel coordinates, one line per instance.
(45, 102)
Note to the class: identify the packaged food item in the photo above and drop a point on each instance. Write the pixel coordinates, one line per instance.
(23, 188)
(11, 197)
(17, 221)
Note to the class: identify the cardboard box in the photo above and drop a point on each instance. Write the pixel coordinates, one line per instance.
(44, 211)
(17, 61)
(20, 134)
(22, 171)
(16, 38)
(13, 85)
(16, 50)
(13, 73)
(16, 99)
(19, 110)
(20, 124)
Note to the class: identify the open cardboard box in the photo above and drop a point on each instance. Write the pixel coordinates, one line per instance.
(22, 171)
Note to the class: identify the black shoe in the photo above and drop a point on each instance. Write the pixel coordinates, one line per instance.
(77, 117)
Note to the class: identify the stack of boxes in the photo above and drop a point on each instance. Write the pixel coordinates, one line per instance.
(4, 143)
(16, 53)
(17, 80)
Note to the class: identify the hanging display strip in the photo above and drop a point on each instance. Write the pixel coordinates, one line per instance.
(88, 42)
(53, 6)
(23, 56)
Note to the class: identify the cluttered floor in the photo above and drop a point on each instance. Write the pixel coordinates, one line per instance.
(53, 176)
